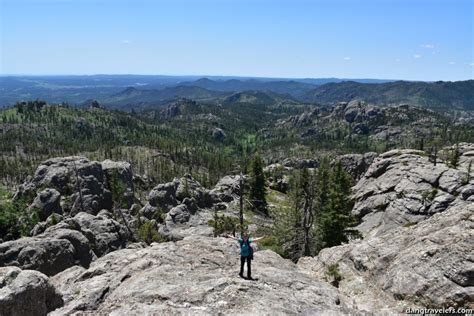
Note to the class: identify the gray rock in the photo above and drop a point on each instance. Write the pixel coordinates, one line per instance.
(46, 203)
(226, 189)
(427, 264)
(77, 240)
(351, 110)
(119, 171)
(26, 293)
(148, 211)
(408, 188)
(183, 278)
(178, 214)
(355, 164)
(68, 176)
(300, 163)
(104, 234)
(47, 255)
(218, 134)
(164, 195)
(83, 254)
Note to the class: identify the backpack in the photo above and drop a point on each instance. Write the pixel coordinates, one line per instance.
(250, 250)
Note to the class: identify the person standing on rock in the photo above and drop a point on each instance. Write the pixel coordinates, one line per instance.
(246, 253)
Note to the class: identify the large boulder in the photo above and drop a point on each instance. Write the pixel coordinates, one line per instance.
(47, 255)
(226, 189)
(164, 195)
(25, 293)
(198, 275)
(46, 203)
(119, 174)
(103, 233)
(83, 185)
(218, 134)
(355, 164)
(402, 187)
(74, 241)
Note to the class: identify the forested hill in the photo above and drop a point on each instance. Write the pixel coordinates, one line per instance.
(134, 92)
(434, 95)
(210, 140)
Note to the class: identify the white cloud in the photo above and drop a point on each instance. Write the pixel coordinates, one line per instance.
(417, 56)
(471, 64)
(428, 46)
(452, 63)
(347, 58)
(126, 42)
(397, 60)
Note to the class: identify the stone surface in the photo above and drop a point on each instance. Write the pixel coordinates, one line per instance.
(356, 164)
(68, 176)
(77, 240)
(46, 203)
(427, 264)
(25, 293)
(197, 275)
(402, 187)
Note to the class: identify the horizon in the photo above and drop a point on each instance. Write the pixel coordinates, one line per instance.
(415, 40)
(228, 77)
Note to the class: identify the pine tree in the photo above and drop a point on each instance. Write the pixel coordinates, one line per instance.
(336, 219)
(257, 185)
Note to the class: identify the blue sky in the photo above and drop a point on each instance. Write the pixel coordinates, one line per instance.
(391, 39)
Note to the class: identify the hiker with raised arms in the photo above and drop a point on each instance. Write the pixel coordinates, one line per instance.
(246, 253)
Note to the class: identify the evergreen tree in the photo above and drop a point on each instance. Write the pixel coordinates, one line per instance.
(257, 185)
(336, 219)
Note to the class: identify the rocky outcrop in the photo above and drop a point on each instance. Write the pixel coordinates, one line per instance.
(25, 293)
(197, 275)
(226, 190)
(77, 240)
(418, 226)
(176, 108)
(83, 185)
(355, 164)
(403, 187)
(356, 111)
(186, 206)
(300, 163)
(427, 264)
(46, 203)
(218, 134)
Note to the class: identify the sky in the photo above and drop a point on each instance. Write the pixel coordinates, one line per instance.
(385, 39)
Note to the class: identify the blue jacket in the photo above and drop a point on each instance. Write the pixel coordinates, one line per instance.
(244, 247)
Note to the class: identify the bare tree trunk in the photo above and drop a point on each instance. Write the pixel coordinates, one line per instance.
(241, 213)
(308, 218)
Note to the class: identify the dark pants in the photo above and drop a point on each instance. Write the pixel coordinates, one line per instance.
(249, 268)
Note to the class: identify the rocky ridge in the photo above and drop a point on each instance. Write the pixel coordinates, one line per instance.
(418, 222)
(417, 219)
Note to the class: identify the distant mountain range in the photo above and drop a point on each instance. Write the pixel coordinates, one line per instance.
(435, 95)
(131, 91)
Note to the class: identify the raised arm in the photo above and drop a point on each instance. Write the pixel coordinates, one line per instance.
(233, 237)
(257, 239)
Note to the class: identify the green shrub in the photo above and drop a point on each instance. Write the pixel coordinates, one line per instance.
(223, 224)
(148, 233)
(15, 219)
(118, 189)
(334, 274)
